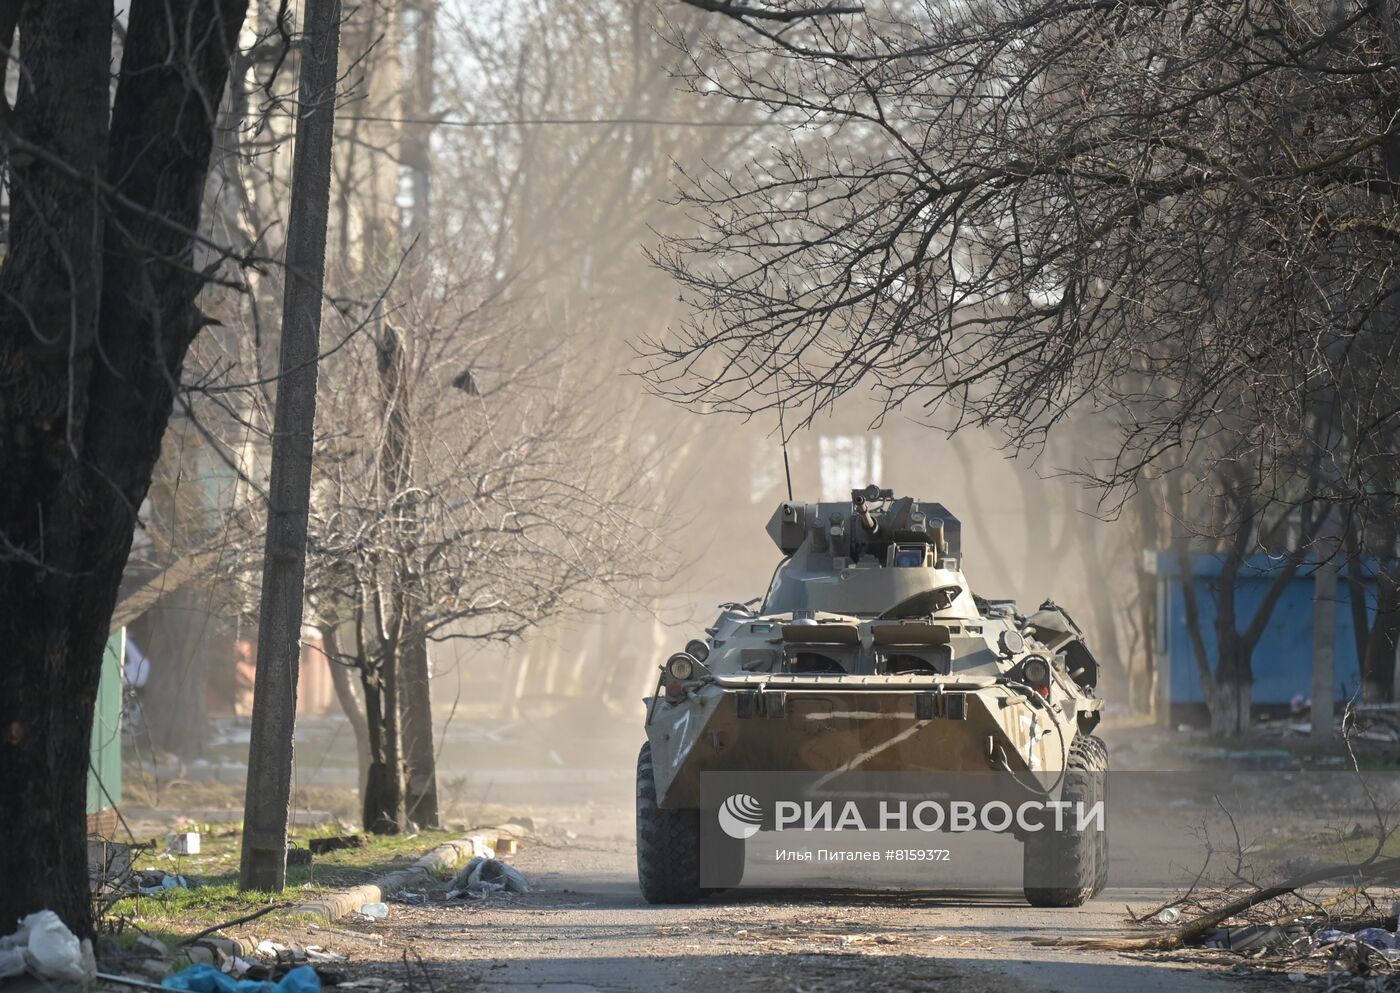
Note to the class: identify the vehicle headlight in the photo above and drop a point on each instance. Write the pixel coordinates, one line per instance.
(680, 666)
(1036, 671)
(697, 649)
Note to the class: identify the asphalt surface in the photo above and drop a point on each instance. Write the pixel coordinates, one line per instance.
(584, 927)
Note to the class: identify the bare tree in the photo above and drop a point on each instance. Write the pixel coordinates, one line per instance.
(1023, 210)
(470, 491)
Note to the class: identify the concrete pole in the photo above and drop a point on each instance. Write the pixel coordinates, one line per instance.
(264, 860)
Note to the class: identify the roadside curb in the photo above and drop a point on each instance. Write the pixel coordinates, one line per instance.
(333, 906)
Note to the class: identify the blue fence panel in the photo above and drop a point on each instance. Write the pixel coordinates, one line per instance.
(1282, 661)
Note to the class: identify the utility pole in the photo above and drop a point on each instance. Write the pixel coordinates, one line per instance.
(264, 860)
(415, 148)
(414, 689)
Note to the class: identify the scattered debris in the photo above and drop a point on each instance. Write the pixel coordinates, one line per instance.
(1377, 938)
(207, 979)
(1257, 937)
(481, 846)
(1378, 723)
(1197, 931)
(202, 954)
(151, 947)
(295, 954)
(321, 846)
(275, 950)
(109, 866)
(483, 876)
(152, 881)
(377, 911)
(182, 842)
(863, 939)
(45, 948)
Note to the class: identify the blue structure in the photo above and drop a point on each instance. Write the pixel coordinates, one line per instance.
(1282, 661)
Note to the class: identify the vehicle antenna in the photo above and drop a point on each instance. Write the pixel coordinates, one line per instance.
(782, 434)
(787, 468)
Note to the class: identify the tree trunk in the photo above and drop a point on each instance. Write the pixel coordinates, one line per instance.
(514, 681)
(1194, 628)
(384, 796)
(177, 636)
(80, 425)
(1103, 610)
(1230, 717)
(1143, 688)
(1324, 649)
(382, 802)
(1356, 593)
(616, 664)
(1380, 660)
(350, 702)
(416, 710)
(54, 619)
(1234, 679)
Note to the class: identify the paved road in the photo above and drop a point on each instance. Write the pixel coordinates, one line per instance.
(585, 928)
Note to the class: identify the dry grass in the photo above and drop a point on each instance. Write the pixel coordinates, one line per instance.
(213, 895)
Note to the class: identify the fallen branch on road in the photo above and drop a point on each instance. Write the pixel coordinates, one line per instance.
(1377, 870)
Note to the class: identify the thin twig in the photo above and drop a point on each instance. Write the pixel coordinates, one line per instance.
(236, 921)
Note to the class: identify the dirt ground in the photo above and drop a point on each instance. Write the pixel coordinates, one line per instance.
(584, 927)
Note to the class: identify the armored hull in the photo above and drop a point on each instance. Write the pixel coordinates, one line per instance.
(871, 653)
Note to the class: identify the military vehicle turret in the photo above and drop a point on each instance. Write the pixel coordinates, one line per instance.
(869, 607)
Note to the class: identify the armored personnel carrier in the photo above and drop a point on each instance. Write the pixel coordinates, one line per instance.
(870, 617)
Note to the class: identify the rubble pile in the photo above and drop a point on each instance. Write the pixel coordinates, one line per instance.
(1311, 952)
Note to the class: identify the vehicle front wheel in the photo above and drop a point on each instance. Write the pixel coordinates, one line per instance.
(668, 843)
(1062, 868)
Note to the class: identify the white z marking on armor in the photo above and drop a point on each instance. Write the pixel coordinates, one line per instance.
(681, 747)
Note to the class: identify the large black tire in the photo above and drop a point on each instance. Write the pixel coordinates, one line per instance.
(1100, 765)
(668, 843)
(1064, 868)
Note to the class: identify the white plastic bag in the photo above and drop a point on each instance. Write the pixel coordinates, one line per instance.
(482, 876)
(11, 962)
(54, 952)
